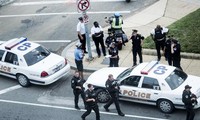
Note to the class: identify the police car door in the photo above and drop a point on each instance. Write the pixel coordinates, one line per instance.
(11, 64)
(129, 88)
(150, 90)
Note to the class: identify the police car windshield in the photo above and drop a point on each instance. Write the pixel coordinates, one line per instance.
(36, 55)
(125, 73)
(176, 78)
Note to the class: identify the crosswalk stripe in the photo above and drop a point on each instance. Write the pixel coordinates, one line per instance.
(10, 89)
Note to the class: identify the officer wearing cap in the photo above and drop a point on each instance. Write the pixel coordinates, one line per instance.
(188, 99)
(81, 33)
(137, 41)
(159, 36)
(114, 58)
(90, 98)
(79, 54)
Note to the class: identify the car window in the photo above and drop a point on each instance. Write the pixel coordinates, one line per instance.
(124, 74)
(1, 54)
(131, 81)
(176, 78)
(150, 83)
(11, 58)
(36, 55)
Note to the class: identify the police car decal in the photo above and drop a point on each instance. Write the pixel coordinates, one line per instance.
(136, 94)
(160, 70)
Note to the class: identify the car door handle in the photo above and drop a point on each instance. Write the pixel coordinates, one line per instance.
(156, 93)
(14, 68)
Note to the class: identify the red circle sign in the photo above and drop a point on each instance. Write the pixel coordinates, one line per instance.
(83, 5)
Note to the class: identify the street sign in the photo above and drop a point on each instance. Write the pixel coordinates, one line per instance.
(83, 5)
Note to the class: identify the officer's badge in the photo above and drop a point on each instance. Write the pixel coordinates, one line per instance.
(86, 95)
(186, 96)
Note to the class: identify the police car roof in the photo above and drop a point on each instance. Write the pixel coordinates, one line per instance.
(13, 45)
(155, 71)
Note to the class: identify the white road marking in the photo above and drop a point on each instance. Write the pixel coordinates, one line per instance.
(62, 13)
(58, 2)
(46, 41)
(10, 89)
(68, 108)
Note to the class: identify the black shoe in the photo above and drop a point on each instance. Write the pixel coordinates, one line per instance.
(104, 55)
(76, 107)
(121, 114)
(107, 110)
(82, 118)
(99, 56)
(85, 52)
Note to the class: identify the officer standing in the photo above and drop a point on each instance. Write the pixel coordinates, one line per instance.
(188, 100)
(113, 89)
(176, 53)
(97, 36)
(114, 58)
(81, 33)
(78, 54)
(137, 41)
(78, 89)
(167, 50)
(90, 98)
(159, 36)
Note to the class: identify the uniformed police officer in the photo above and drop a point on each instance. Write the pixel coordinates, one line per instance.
(137, 41)
(176, 53)
(90, 98)
(114, 58)
(159, 36)
(78, 89)
(189, 100)
(116, 22)
(113, 89)
(167, 50)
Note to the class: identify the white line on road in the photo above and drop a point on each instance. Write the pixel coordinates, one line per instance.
(58, 2)
(68, 108)
(10, 89)
(63, 13)
(47, 41)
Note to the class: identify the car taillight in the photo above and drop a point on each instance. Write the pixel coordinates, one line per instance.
(44, 74)
(65, 61)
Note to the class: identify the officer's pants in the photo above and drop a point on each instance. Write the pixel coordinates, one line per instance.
(136, 51)
(176, 63)
(115, 100)
(76, 97)
(190, 113)
(97, 41)
(89, 109)
(83, 42)
(159, 44)
(114, 62)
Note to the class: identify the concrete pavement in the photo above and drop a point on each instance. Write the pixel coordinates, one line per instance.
(163, 12)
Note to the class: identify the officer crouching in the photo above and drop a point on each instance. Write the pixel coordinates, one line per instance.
(90, 98)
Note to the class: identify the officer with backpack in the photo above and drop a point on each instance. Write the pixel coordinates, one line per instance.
(159, 36)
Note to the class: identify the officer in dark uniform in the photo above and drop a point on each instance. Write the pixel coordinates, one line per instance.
(113, 89)
(90, 98)
(189, 100)
(78, 89)
(114, 58)
(137, 41)
(176, 53)
(167, 50)
(159, 36)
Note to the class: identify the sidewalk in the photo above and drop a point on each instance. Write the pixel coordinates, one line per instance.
(144, 21)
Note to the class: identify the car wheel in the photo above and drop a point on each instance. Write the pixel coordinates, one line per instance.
(102, 96)
(165, 106)
(23, 80)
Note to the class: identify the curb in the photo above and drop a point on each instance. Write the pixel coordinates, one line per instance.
(5, 2)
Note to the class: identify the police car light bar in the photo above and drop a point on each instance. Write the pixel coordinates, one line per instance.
(148, 67)
(15, 43)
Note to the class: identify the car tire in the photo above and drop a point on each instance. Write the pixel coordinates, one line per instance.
(165, 106)
(23, 80)
(102, 96)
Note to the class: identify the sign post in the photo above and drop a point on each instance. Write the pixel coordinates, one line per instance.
(83, 6)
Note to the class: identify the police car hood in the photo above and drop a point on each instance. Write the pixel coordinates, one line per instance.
(193, 81)
(99, 77)
(51, 64)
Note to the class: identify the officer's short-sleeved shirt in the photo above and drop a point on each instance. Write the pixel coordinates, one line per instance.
(96, 30)
(81, 28)
(164, 30)
(78, 54)
(136, 40)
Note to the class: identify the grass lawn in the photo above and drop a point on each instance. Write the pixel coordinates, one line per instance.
(186, 30)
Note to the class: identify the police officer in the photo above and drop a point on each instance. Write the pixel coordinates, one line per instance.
(113, 89)
(176, 51)
(78, 89)
(79, 55)
(114, 58)
(90, 98)
(116, 22)
(167, 50)
(159, 36)
(137, 41)
(188, 100)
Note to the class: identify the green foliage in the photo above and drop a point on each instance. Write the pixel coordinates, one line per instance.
(186, 30)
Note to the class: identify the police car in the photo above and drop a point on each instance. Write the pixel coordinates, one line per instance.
(30, 62)
(149, 83)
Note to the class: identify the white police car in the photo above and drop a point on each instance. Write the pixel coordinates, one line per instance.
(30, 62)
(149, 83)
